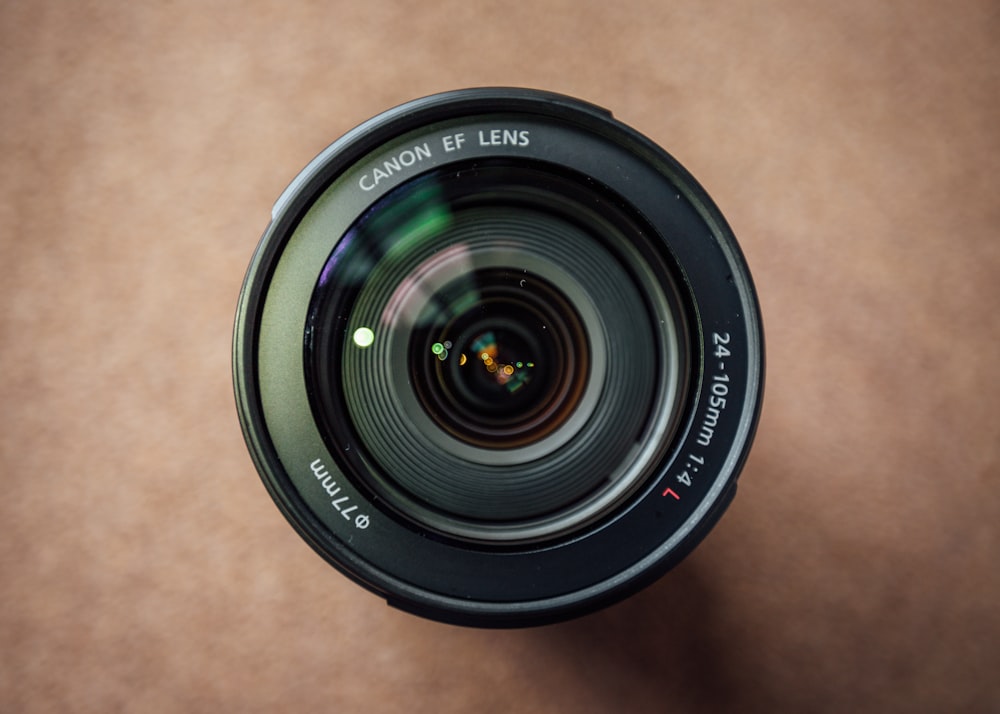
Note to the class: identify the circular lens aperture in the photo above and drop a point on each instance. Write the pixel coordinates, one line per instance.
(500, 361)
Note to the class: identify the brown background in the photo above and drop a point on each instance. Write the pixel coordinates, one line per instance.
(854, 147)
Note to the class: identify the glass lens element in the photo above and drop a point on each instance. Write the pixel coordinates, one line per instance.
(507, 352)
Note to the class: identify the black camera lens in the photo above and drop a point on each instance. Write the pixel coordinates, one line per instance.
(498, 357)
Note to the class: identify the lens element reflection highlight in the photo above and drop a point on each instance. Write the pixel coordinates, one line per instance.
(509, 375)
(364, 337)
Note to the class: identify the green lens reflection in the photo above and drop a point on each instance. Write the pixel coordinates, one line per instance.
(418, 218)
(364, 337)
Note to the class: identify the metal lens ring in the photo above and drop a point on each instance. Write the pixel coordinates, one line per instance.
(511, 367)
(498, 358)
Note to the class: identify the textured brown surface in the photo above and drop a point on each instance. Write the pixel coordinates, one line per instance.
(854, 147)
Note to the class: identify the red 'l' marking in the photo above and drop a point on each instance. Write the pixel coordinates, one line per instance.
(671, 492)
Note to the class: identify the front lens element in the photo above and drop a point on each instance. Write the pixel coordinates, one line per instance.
(525, 356)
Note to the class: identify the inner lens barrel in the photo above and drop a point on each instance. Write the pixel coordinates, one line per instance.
(500, 361)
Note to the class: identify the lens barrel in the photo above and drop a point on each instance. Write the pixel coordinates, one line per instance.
(498, 357)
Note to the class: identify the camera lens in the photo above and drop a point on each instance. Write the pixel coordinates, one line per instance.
(498, 357)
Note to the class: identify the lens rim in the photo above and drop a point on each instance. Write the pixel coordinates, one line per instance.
(656, 531)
